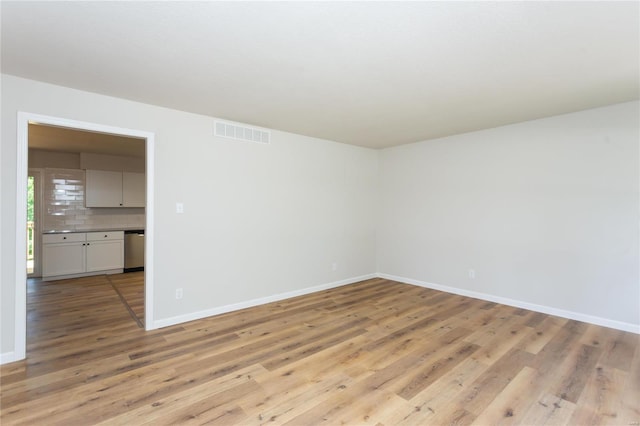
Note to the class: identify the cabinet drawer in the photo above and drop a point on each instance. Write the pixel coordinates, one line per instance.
(63, 238)
(105, 236)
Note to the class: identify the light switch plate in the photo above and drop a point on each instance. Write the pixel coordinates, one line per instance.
(179, 208)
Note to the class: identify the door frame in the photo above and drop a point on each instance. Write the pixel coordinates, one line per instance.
(24, 118)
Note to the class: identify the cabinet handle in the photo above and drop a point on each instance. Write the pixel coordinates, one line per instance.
(105, 236)
(64, 238)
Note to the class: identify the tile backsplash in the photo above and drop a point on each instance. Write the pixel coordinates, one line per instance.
(64, 210)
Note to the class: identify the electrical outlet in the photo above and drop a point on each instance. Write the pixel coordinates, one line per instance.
(334, 266)
(472, 274)
(178, 293)
(179, 208)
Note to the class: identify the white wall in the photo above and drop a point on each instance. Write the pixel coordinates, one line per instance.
(545, 212)
(90, 161)
(259, 220)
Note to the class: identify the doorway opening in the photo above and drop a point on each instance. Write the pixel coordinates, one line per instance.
(34, 229)
(31, 237)
(24, 215)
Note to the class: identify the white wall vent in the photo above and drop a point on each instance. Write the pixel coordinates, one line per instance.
(241, 132)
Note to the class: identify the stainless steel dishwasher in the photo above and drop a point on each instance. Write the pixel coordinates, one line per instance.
(134, 250)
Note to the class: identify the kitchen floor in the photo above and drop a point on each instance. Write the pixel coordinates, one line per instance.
(130, 288)
(126, 290)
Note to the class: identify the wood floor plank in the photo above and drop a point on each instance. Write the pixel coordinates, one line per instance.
(601, 401)
(200, 403)
(278, 404)
(433, 405)
(619, 350)
(511, 404)
(549, 410)
(630, 407)
(493, 380)
(504, 337)
(541, 333)
(430, 371)
(575, 371)
(375, 352)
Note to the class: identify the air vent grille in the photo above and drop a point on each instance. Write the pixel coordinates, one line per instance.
(241, 132)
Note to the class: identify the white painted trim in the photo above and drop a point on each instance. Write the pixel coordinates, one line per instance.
(8, 357)
(256, 302)
(149, 234)
(24, 118)
(22, 169)
(605, 322)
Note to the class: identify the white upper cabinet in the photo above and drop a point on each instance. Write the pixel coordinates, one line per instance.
(114, 189)
(133, 189)
(104, 189)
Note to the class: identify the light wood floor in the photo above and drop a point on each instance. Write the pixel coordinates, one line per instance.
(376, 352)
(130, 288)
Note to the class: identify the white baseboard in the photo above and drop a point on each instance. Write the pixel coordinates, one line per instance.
(605, 322)
(255, 302)
(8, 357)
(84, 274)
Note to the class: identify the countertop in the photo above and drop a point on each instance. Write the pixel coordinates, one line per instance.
(76, 231)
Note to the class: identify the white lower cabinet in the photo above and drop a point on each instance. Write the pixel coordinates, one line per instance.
(80, 254)
(63, 254)
(105, 251)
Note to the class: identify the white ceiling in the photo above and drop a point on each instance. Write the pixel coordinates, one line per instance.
(373, 74)
(52, 138)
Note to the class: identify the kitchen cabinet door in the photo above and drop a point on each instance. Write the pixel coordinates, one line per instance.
(133, 189)
(105, 255)
(63, 259)
(103, 189)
